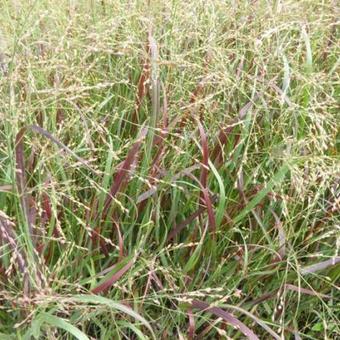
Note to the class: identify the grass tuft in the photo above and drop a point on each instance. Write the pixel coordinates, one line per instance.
(169, 169)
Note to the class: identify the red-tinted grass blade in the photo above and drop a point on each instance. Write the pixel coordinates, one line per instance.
(145, 195)
(111, 280)
(205, 155)
(288, 286)
(32, 213)
(210, 210)
(282, 235)
(222, 139)
(205, 197)
(193, 99)
(21, 180)
(21, 171)
(147, 287)
(142, 86)
(97, 240)
(122, 172)
(152, 277)
(7, 235)
(46, 216)
(224, 133)
(229, 318)
(262, 298)
(32, 160)
(196, 94)
(306, 291)
(245, 109)
(43, 132)
(180, 226)
(165, 110)
(155, 278)
(46, 206)
(141, 92)
(191, 328)
(320, 266)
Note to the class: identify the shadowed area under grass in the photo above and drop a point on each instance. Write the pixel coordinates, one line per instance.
(169, 169)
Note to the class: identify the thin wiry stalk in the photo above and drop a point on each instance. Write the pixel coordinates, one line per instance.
(7, 235)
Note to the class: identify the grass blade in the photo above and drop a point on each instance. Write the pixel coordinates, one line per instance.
(46, 134)
(320, 266)
(309, 54)
(306, 291)
(7, 235)
(191, 328)
(57, 322)
(180, 226)
(257, 320)
(164, 134)
(229, 318)
(21, 176)
(205, 197)
(282, 235)
(122, 172)
(142, 88)
(225, 132)
(112, 278)
(220, 210)
(205, 155)
(100, 300)
(276, 179)
(6, 188)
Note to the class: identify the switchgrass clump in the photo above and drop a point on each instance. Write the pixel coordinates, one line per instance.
(169, 170)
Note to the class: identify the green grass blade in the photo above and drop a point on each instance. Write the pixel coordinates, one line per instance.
(276, 179)
(57, 322)
(93, 299)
